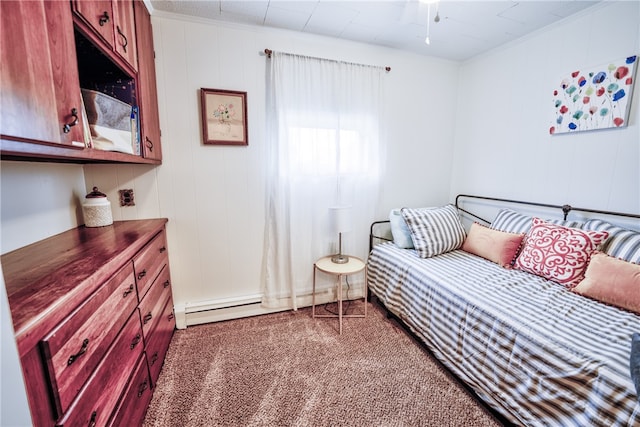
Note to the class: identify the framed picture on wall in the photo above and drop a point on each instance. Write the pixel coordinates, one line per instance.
(594, 98)
(224, 117)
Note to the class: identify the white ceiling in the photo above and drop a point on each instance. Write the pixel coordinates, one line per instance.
(465, 29)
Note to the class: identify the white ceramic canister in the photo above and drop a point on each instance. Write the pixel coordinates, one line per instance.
(96, 209)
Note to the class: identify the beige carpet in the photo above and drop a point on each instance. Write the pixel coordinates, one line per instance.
(287, 369)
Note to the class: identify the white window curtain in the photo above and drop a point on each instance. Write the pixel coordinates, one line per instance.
(324, 149)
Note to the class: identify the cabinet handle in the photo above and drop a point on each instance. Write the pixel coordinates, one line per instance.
(163, 249)
(82, 351)
(170, 316)
(149, 143)
(154, 358)
(67, 126)
(128, 291)
(126, 42)
(104, 18)
(92, 421)
(135, 341)
(147, 318)
(142, 274)
(142, 387)
(166, 284)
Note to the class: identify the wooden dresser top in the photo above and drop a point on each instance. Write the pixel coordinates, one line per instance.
(48, 279)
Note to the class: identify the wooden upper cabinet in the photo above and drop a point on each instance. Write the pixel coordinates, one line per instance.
(38, 74)
(112, 23)
(99, 16)
(149, 117)
(125, 32)
(49, 50)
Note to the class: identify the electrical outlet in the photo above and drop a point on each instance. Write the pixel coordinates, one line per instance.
(126, 198)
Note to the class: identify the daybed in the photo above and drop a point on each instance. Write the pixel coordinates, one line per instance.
(537, 352)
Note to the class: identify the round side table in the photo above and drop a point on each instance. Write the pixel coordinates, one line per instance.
(353, 266)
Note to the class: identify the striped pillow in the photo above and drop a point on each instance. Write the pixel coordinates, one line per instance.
(511, 221)
(515, 222)
(622, 243)
(434, 231)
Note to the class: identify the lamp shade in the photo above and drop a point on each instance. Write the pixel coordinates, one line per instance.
(340, 218)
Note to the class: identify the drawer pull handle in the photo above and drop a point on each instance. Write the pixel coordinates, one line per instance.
(82, 351)
(135, 341)
(166, 284)
(142, 388)
(92, 421)
(67, 126)
(104, 19)
(147, 318)
(126, 42)
(128, 291)
(142, 274)
(170, 316)
(163, 249)
(154, 358)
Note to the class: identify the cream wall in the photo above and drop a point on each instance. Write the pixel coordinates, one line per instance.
(214, 195)
(502, 143)
(38, 200)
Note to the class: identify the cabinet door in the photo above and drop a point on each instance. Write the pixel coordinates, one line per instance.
(98, 14)
(38, 73)
(148, 95)
(125, 31)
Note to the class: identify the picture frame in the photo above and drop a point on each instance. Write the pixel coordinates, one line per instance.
(594, 98)
(224, 117)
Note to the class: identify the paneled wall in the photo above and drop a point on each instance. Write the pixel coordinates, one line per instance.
(503, 147)
(214, 195)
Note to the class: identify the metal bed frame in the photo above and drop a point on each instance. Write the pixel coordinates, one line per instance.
(501, 419)
(565, 211)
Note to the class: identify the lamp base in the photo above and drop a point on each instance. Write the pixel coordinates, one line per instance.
(339, 259)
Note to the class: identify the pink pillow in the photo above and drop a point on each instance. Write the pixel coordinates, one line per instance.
(558, 253)
(497, 246)
(612, 281)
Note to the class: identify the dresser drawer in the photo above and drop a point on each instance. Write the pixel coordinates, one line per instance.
(152, 304)
(148, 263)
(99, 397)
(158, 344)
(136, 398)
(76, 346)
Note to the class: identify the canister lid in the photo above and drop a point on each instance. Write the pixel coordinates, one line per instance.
(95, 194)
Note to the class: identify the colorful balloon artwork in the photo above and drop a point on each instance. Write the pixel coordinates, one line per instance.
(594, 99)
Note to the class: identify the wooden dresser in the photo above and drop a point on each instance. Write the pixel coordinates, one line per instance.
(92, 311)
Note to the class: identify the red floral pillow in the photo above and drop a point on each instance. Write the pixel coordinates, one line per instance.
(558, 253)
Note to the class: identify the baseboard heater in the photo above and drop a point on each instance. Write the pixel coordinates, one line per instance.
(197, 313)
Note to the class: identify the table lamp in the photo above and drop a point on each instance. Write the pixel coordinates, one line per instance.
(341, 222)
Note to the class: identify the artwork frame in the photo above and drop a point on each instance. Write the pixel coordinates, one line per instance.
(224, 117)
(594, 98)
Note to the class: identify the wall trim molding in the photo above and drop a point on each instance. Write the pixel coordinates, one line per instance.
(217, 310)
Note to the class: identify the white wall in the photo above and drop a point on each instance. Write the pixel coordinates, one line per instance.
(214, 195)
(38, 200)
(503, 146)
(14, 407)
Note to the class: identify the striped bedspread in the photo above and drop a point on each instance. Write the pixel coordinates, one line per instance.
(537, 353)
